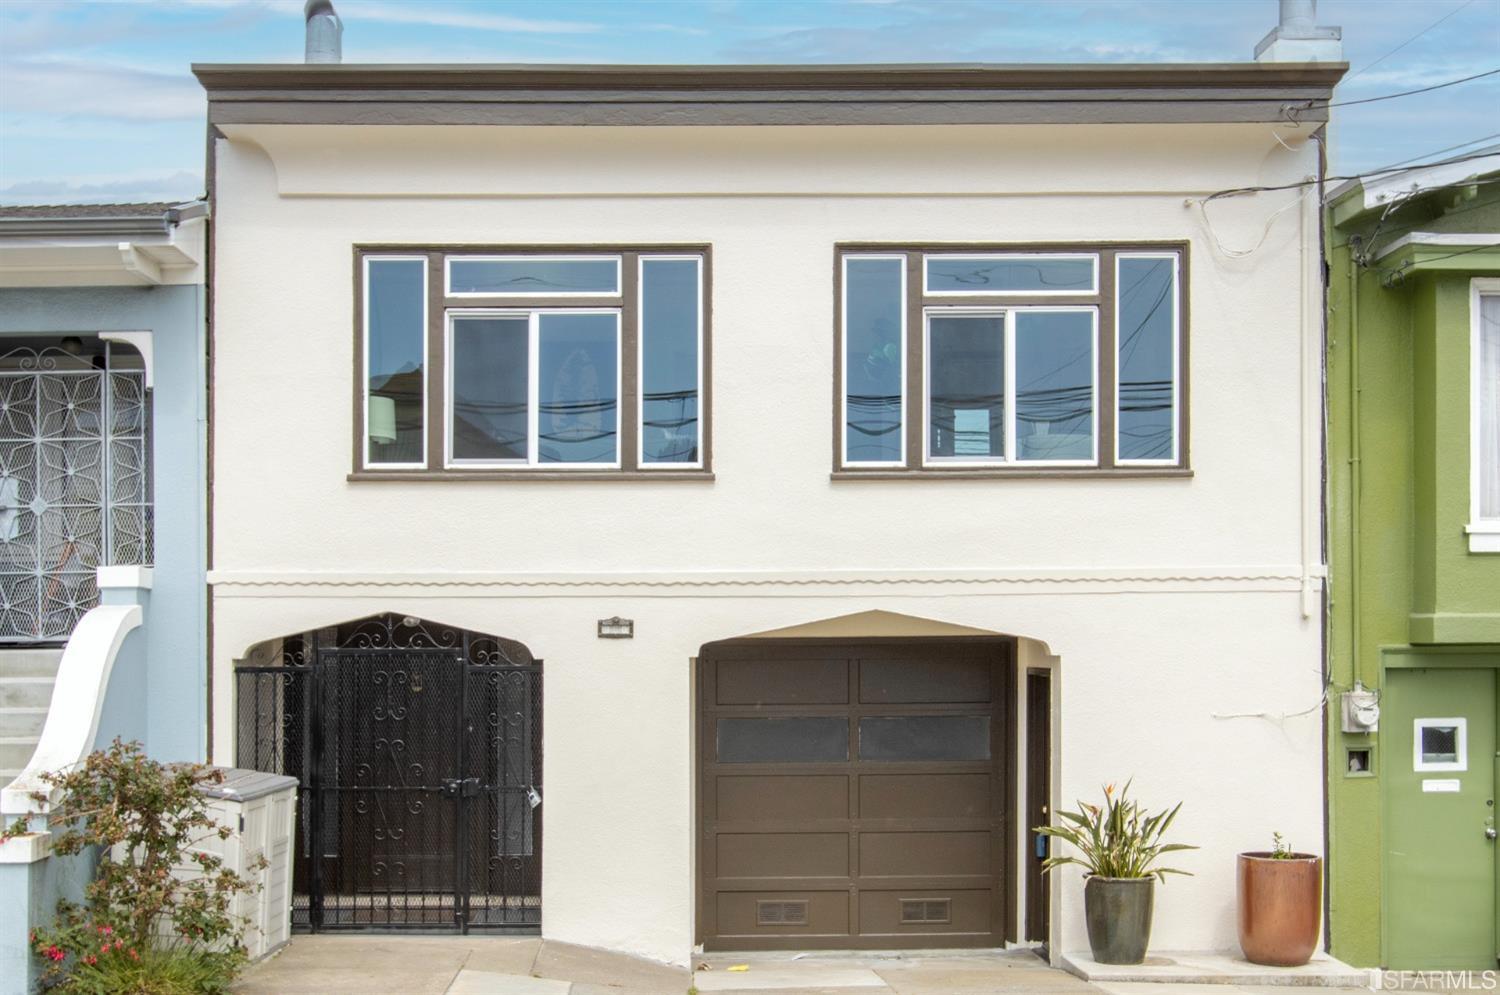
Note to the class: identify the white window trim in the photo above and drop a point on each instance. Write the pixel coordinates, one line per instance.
(1092, 257)
(364, 416)
(845, 461)
(1176, 456)
(1484, 533)
(1461, 764)
(1012, 456)
(533, 375)
(450, 258)
(640, 364)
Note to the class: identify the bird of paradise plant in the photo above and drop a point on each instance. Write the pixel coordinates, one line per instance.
(1118, 840)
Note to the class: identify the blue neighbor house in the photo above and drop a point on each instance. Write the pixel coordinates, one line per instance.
(102, 512)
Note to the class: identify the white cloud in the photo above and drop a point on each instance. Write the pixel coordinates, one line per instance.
(450, 17)
(76, 87)
(181, 185)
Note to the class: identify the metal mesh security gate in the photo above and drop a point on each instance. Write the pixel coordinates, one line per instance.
(74, 481)
(418, 749)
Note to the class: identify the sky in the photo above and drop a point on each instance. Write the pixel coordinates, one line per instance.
(97, 102)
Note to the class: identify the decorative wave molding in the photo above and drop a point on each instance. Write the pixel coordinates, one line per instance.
(253, 583)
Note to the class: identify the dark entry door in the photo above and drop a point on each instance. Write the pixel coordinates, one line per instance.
(1038, 807)
(854, 795)
(418, 749)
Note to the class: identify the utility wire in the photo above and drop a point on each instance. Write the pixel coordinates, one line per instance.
(1236, 191)
(1413, 225)
(1408, 93)
(1408, 41)
(1394, 276)
(1451, 148)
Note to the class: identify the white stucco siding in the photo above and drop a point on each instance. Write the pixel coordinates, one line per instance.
(284, 342)
(1163, 600)
(1140, 675)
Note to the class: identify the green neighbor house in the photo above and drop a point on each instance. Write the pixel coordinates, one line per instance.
(1414, 554)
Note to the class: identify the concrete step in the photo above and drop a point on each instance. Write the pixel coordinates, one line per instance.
(16, 751)
(27, 722)
(25, 692)
(30, 662)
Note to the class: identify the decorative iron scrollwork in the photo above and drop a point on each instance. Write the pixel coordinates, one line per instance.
(75, 488)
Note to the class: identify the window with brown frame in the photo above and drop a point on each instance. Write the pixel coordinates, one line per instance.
(531, 362)
(999, 360)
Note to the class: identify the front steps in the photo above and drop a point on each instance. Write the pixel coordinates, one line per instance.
(26, 679)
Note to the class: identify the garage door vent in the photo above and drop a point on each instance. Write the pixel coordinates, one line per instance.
(781, 913)
(920, 910)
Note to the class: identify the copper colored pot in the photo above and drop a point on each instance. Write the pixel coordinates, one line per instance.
(1281, 908)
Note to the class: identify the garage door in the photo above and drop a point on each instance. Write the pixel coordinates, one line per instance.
(854, 795)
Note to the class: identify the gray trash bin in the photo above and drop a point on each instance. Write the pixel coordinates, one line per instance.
(260, 810)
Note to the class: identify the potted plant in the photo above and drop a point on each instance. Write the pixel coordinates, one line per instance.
(1280, 904)
(1118, 846)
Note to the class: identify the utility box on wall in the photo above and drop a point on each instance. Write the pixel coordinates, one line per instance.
(259, 809)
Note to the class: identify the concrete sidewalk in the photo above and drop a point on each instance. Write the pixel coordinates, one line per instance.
(481, 965)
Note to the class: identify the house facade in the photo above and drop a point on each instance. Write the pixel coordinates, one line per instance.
(103, 502)
(1414, 547)
(729, 506)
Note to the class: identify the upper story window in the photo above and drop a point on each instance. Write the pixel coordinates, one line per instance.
(1484, 398)
(486, 362)
(1002, 360)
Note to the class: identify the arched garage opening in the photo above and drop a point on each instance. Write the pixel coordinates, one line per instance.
(418, 752)
(863, 783)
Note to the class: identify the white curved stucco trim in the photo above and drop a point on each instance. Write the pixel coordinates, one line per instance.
(142, 343)
(77, 702)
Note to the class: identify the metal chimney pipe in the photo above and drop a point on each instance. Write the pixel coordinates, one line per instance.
(1298, 18)
(325, 32)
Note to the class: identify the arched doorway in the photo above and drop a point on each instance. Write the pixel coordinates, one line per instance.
(418, 748)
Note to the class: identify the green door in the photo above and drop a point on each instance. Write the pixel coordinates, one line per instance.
(1438, 736)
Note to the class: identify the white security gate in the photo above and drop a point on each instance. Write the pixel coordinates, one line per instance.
(75, 487)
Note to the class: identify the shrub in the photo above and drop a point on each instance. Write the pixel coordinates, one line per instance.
(164, 930)
(84, 956)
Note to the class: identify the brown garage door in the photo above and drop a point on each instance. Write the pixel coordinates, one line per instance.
(854, 795)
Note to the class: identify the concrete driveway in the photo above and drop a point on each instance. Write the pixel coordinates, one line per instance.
(480, 965)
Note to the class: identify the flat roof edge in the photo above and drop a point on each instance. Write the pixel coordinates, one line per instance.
(1188, 76)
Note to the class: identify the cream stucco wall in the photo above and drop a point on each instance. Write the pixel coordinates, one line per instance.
(1163, 601)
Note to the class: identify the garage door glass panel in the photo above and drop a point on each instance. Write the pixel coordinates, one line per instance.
(811, 739)
(924, 737)
(904, 681)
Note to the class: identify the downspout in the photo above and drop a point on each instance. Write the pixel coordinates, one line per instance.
(1324, 636)
(1355, 472)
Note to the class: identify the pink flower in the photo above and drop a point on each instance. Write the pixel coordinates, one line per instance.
(132, 953)
(91, 960)
(105, 930)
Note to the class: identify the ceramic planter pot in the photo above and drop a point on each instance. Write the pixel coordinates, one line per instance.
(1118, 911)
(1280, 907)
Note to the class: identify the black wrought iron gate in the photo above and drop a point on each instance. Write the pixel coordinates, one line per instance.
(418, 749)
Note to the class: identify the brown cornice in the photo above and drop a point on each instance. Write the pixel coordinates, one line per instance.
(799, 94)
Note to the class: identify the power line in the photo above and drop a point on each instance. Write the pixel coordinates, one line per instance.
(1408, 93)
(1413, 225)
(1451, 148)
(1236, 191)
(1394, 276)
(1408, 41)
